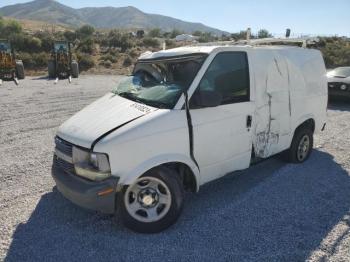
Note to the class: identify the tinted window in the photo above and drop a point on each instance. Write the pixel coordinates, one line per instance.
(228, 74)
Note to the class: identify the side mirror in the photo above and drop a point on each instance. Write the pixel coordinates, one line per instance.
(208, 98)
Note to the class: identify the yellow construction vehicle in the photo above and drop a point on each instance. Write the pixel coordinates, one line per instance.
(61, 65)
(10, 68)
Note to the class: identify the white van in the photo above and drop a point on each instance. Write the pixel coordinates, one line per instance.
(185, 117)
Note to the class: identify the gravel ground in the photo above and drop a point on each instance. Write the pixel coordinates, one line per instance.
(272, 212)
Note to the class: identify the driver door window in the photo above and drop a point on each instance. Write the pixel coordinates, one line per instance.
(227, 76)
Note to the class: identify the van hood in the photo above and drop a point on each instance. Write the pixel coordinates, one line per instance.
(335, 79)
(100, 117)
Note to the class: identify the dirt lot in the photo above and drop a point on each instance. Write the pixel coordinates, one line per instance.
(271, 212)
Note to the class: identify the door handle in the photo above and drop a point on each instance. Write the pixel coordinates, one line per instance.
(249, 121)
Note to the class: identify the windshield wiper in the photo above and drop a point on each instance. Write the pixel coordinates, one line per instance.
(131, 96)
(156, 104)
(152, 103)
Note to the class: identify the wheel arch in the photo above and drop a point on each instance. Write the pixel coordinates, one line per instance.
(306, 121)
(185, 167)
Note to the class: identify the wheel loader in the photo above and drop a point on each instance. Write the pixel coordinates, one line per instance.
(10, 68)
(61, 65)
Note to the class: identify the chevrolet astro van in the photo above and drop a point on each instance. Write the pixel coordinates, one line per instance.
(187, 116)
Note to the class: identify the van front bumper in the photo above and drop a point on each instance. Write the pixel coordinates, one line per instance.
(83, 192)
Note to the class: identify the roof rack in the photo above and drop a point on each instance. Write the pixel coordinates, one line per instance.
(304, 42)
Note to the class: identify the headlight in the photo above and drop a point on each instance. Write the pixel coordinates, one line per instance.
(94, 166)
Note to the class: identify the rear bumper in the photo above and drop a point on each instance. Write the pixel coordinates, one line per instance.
(83, 192)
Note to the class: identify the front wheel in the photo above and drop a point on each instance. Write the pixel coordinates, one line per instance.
(75, 69)
(20, 70)
(153, 202)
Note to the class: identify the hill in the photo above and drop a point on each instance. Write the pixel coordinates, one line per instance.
(51, 11)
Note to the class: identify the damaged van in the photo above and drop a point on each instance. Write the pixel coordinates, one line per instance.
(187, 116)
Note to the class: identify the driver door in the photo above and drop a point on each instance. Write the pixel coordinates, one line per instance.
(222, 134)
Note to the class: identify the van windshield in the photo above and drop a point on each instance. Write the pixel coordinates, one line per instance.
(160, 83)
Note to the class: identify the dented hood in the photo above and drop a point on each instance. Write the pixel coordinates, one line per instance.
(102, 116)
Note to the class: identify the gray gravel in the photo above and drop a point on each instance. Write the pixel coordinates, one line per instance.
(271, 212)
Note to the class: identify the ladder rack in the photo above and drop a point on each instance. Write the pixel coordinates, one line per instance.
(304, 42)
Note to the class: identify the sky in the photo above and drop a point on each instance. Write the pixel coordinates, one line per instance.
(312, 17)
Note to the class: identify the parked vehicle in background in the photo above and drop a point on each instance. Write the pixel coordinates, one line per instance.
(185, 117)
(339, 82)
(10, 68)
(61, 64)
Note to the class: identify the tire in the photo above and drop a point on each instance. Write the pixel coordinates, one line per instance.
(141, 220)
(75, 69)
(298, 153)
(20, 70)
(51, 69)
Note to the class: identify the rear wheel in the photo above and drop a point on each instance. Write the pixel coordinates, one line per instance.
(51, 69)
(20, 70)
(75, 69)
(301, 146)
(153, 203)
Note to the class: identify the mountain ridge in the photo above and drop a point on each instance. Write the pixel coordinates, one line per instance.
(54, 12)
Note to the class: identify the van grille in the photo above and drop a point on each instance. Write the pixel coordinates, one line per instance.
(65, 166)
(64, 146)
(67, 149)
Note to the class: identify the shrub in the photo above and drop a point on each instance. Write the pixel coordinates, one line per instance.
(175, 33)
(34, 61)
(156, 32)
(86, 46)
(170, 43)
(107, 64)
(70, 36)
(127, 61)
(109, 57)
(118, 39)
(150, 42)
(85, 62)
(10, 27)
(85, 31)
(134, 53)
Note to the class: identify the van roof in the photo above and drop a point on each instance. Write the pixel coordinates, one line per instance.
(188, 50)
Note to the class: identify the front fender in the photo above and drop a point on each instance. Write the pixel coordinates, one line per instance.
(159, 160)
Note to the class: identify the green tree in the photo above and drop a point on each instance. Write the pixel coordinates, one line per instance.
(175, 33)
(10, 27)
(263, 33)
(206, 37)
(335, 50)
(2, 23)
(70, 36)
(85, 31)
(121, 40)
(150, 42)
(86, 46)
(242, 35)
(156, 32)
(197, 33)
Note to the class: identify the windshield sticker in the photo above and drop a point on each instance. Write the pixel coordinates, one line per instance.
(141, 108)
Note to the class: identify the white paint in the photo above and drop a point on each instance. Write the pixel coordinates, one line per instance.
(185, 38)
(288, 86)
